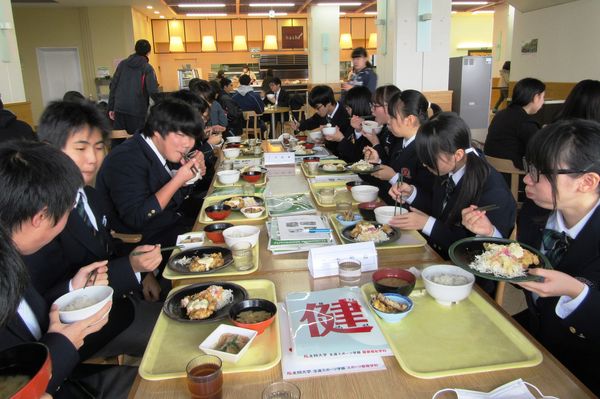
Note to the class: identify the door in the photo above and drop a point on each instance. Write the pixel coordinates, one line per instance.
(60, 71)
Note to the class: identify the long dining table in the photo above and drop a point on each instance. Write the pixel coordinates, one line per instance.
(289, 273)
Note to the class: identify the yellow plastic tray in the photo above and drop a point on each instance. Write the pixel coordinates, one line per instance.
(261, 182)
(227, 271)
(307, 173)
(173, 344)
(408, 238)
(341, 193)
(234, 217)
(469, 337)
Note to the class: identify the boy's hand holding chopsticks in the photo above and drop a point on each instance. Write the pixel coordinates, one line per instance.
(93, 274)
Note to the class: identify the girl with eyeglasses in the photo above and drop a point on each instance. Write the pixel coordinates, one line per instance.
(463, 179)
(563, 175)
(407, 111)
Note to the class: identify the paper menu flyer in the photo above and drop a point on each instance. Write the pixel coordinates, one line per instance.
(294, 366)
(333, 323)
(297, 228)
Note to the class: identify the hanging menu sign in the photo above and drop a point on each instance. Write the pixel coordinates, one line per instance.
(292, 37)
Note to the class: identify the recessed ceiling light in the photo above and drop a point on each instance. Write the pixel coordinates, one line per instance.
(204, 5)
(469, 3)
(343, 4)
(203, 14)
(271, 4)
(157, 12)
(162, 17)
(266, 14)
(149, 7)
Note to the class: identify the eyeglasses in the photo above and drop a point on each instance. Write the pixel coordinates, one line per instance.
(535, 173)
(375, 105)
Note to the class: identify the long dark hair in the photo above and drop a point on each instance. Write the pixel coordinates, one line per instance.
(383, 94)
(358, 99)
(582, 102)
(568, 144)
(525, 90)
(446, 133)
(411, 102)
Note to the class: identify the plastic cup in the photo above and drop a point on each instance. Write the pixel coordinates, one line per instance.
(242, 255)
(349, 271)
(281, 390)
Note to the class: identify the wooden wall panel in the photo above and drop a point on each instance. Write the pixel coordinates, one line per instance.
(22, 110)
(441, 98)
(238, 27)
(192, 31)
(255, 31)
(344, 25)
(358, 29)
(223, 30)
(160, 31)
(208, 27)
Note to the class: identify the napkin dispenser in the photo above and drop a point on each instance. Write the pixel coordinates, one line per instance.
(323, 261)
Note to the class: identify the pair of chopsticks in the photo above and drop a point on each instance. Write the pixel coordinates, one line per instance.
(91, 280)
(398, 184)
(137, 253)
(490, 207)
(188, 157)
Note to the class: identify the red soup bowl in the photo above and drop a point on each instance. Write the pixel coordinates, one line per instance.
(255, 305)
(252, 176)
(26, 370)
(398, 281)
(218, 212)
(214, 232)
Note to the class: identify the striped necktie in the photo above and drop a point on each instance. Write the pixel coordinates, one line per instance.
(556, 245)
(449, 186)
(80, 208)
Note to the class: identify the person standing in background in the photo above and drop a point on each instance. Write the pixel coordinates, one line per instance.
(131, 88)
(503, 85)
(363, 74)
(246, 71)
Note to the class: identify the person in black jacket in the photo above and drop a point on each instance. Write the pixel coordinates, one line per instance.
(235, 116)
(131, 88)
(510, 130)
(362, 71)
(281, 98)
(146, 180)
(11, 128)
(408, 110)
(32, 222)
(563, 176)
(464, 179)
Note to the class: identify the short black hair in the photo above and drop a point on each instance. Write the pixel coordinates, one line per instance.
(358, 99)
(198, 103)
(61, 119)
(34, 176)
(276, 81)
(142, 47)
(245, 80)
(73, 95)
(525, 90)
(173, 115)
(13, 277)
(192, 82)
(383, 94)
(570, 144)
(203, 89)
(359, 52)
(321, 94)
(225, 82)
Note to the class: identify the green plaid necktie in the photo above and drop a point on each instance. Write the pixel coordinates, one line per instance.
(556, 245)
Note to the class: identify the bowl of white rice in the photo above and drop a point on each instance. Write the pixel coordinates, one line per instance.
(83, 303)
(447, 284)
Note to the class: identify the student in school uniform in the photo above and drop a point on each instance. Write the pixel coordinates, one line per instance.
(351, 142)
(31, 222)
(563, 176)
(80, 131)
(408, 110)
(464, 178)
(385, 140)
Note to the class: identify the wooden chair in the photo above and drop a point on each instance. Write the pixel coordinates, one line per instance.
(506, 166)
(297, 114)
(252, 125)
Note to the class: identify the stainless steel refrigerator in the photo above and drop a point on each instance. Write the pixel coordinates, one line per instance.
(470, 79)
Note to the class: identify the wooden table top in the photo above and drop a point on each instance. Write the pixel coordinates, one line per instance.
(289, 273)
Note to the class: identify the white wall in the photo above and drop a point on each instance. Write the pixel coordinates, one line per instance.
(504, 16)
(403, 65)
(472, 30)
(11, 77)
(567, 43)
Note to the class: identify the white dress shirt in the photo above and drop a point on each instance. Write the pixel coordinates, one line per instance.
(28, 317)
(162, 159)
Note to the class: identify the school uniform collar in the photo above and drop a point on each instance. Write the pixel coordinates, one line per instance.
(337, 105)
(406, 142)
(456, 176)
(556, 222)
(154, 149)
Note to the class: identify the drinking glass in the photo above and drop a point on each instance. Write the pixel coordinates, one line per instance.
(349, 271)
(242, 255)
(205, 378)
(281, 390)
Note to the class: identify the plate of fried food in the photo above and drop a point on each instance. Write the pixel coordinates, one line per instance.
(498, 258)
(204, 302)
(370, 231)
(200, 260)
(363, 167)
(239, 202)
